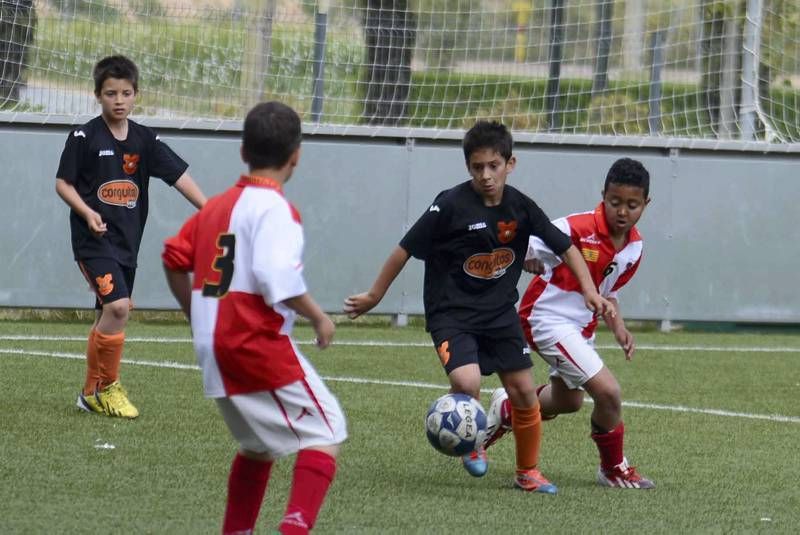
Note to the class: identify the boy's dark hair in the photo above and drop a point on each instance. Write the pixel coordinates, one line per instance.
(118, 67)
(488, 134)
(629, 172)
(272, 132)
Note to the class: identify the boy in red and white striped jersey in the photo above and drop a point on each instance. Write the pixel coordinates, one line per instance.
(561, 329)
(245, 249)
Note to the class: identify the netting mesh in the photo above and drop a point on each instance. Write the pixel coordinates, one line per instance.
(718, 69)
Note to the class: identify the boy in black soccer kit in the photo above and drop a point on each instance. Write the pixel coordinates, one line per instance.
(104, 176)
(473, 239)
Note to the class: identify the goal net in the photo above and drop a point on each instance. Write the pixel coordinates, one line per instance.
(651, 71)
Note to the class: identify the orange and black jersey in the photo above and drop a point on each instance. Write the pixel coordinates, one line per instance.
(112, 177)
(473, 255)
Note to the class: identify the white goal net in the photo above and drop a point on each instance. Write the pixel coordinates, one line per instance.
(651, 70)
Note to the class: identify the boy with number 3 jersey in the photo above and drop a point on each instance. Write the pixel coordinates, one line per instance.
(245, 249)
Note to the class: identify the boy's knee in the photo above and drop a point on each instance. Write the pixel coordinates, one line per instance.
(466, 380)
(524, 397)
(609, 399)
(571, 403)
(470, 390)
(118, 310)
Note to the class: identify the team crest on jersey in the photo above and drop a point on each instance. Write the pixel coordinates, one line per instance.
(105, 284)
(119, 193)
(591, 255)
(130, 163)
(506, 231)
(489, 265)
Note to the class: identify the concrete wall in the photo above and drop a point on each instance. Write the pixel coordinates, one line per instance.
(721, 234)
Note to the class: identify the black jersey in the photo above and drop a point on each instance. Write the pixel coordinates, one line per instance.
(112, 177)
(474, 253)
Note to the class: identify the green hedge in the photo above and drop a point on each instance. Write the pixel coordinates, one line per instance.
(453, 100)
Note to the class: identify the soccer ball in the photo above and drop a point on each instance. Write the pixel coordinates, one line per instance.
(456, 424)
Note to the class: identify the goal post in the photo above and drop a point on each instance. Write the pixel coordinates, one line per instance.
(655, 72)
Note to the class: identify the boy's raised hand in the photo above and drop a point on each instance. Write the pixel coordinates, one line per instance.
(358, 304)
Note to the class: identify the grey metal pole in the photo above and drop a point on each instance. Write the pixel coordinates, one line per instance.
(257, 50)
(320, 31)
(554, 77)
(750, 51)
(605, 12)
(654, 119)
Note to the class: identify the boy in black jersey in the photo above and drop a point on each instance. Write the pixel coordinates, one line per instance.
(473, 239)
(103, 176)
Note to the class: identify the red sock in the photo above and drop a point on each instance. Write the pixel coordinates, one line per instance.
(246, 486)
(313, 473)
(610, 446)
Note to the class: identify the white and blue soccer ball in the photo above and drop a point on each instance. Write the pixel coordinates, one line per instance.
(456, 424)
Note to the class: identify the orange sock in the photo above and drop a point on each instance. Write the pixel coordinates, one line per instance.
(92, 366)
(109, 356)
(527, 427)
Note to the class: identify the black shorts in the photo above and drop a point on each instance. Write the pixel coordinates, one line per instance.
(109, 279)
(494, 350)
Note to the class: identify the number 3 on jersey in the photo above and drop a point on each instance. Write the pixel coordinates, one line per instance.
(223, 263)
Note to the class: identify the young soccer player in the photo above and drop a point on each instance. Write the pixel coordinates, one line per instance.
(473, 239)
(103, 176)
(245, 249)
(561, 330)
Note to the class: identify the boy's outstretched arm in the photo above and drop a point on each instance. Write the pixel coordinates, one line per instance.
(189, 189)
(71, 196)
(180, 284)
(594, 301)
(309, 309)
(358, 304)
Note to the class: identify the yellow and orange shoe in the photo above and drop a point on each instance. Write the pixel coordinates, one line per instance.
(89, 403)
(114, 401)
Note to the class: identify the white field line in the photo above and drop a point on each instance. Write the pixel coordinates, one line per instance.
(415, 384)
(377, 343)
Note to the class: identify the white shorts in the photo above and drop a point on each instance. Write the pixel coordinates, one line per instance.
(573, 359)
(280, 422)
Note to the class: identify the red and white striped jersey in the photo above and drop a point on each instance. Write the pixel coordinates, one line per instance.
(553, 305)
(245, 248)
